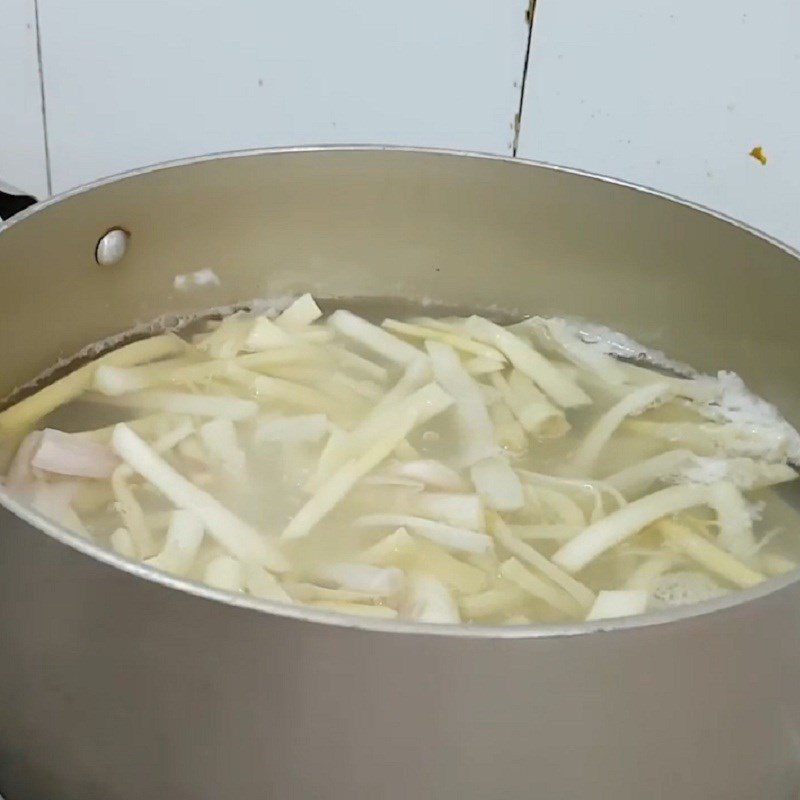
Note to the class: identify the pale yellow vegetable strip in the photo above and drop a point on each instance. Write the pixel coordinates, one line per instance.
(585, 459)
(713, 558)
(641, 476)
(304, 592)
(463, 343)
(558, 503)
(733, 516)
(115, 380)
(456, 574)
(267, 387)
(492, 601)
(122, 543)
(554, 532)
(380, 612)
(483, 366)
(649, 571)
(260, 583)
(390, 550)
(26, 412)
(146, 426)
(618, 603)
(563, 391)
(205, 405)
(301, 313)
(357, 363)
(556, 332)
(582, 594)
(372, 337)
(131, 513)
(507, 430)
(336, 488)
(233, 533)
(626, 522)
(535, 417)
(425, 403)
(516, 572)
(776, 564)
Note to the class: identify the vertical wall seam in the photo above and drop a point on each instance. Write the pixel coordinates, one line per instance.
(529, 13)
(43, 98)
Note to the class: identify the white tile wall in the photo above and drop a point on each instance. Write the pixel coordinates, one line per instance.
(139, 81)
(22, 161)
(669, 93)
(673, 94)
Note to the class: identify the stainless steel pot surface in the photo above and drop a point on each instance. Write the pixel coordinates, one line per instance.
(116, 683)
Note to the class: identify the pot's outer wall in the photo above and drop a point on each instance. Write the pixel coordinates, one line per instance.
(115, 688)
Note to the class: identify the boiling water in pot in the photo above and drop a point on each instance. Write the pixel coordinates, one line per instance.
(446, 469)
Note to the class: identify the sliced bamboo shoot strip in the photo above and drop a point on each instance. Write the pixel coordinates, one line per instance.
(563, 391)
(123, 544)
(390, 550)
(428, 600)
(267, 387)
(371, 580)
(461, 510)
(183, 540)
(639, 477)
(226, 573)
(302, 312)
(338, 486)
(579, 591)
(359, 609)
(498, 484)
(201, 405)
(585, 459)
(437, 532)
(475, 428)
(493, 601)
(707, 554)
(233, 533)
(458, 575)
(260, 583)
(463, 343)
(568, 342)
(733, 516)
(32, 408)
(372, 337)
(536, 415)
(618, 603)
(514, 571)
(424, 404)
(626, 522)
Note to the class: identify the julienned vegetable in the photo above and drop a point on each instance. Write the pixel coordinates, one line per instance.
(440, 470)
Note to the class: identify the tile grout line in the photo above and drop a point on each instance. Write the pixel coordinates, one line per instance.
(48, 169)
(518, 117)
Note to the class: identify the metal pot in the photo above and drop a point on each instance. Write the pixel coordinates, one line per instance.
(118, 683)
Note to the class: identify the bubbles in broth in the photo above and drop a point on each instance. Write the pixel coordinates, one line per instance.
(442, 470)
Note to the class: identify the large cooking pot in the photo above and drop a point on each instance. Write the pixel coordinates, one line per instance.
(117, 682)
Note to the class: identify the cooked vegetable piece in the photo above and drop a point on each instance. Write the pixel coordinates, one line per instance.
(437, 470)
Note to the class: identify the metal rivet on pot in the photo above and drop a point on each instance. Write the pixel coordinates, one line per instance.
(111, 247)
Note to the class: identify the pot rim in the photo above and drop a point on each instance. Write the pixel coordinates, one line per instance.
(726, 603)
